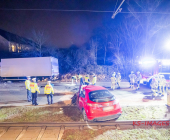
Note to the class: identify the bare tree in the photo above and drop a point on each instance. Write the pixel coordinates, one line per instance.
(150, 22)
(40, 38)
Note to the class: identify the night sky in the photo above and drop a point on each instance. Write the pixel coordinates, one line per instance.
(62, 28)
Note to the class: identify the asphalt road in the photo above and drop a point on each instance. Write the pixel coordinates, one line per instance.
(14, 94)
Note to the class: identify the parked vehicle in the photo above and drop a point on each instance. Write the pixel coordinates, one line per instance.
(19, 68)
(97, 103)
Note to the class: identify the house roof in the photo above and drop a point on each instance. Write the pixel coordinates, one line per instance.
(15, 38)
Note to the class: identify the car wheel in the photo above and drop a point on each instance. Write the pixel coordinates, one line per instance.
(85, 115)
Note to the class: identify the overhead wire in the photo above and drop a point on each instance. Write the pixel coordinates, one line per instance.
(95, 11)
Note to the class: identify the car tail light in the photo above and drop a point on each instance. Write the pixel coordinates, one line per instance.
(115, 102)
(93, 105)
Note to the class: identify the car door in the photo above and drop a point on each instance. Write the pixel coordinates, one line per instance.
(81, 99)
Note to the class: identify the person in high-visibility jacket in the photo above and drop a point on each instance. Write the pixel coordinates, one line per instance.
(132, 77)
(87, 80)
(164, 83)
(27, 85)
(74, 78)
(161, 83)
(118, 79)
(138, 79)
(34, 89)
(113, 81)
(81, 79)
(49, 91)
(154, 87)
(94, 79)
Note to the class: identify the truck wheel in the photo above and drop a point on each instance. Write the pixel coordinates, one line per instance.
(84, 115)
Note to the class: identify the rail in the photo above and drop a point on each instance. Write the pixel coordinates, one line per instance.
(40, 131)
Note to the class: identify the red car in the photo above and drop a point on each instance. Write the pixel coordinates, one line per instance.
(97, 103)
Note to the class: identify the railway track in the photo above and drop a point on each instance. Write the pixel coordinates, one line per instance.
(54, 131)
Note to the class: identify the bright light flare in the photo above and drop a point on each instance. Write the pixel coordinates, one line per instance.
(147, 62)
(165, 62)
(167, 45)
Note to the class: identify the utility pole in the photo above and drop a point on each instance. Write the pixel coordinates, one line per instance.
(118, 10)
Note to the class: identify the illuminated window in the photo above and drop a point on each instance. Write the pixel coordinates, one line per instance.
(13, 48)
(19, 48)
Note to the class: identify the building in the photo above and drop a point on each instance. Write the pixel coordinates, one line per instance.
(13, 44)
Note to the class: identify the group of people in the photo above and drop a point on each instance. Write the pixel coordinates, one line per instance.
(159, 85)
(84, 80)
(115, 80)
(135, 79)
(33, 89)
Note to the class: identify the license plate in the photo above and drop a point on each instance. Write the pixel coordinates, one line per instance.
(109, 108)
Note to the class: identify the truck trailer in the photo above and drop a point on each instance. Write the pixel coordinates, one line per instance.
(19, 68)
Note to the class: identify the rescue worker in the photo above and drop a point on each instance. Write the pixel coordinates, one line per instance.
(138, 78)
(27, 85)
(81, 79)
(94, 79)
(164, 83)
(160, 84)
(48, 90)
(87, 80)
(118, 79)
(34, 89)
(154, 87)
(132, 77)
(113, 81)
(74, 78)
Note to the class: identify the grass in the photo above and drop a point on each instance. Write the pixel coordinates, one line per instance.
(135, 134)
(39, 114)
(71, 113)
(105, 134)
(142, 112)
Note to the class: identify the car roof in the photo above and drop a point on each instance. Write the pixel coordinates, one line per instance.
(90, 88)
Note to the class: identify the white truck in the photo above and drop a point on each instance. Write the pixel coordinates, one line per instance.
(19, 68)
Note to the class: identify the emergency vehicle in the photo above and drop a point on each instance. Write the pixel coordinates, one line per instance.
(97, 104)
(150, 68)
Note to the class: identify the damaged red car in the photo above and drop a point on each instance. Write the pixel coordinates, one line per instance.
(97, 103)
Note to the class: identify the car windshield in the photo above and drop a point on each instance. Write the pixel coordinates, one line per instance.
(101, 96)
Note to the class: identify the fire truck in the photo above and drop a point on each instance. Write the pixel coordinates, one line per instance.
(151, 67)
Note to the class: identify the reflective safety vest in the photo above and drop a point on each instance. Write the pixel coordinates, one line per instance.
(94, 80)
(48, 89)
(27, 84)
(138, 77)
(34, 87)
(132, 77)
(87, 79)
(118, 78)
(113, 79)
(80, 76)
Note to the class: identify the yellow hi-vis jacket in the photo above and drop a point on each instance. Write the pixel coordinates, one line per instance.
(80, 76)
(87, 79)
(113, 79)
(94, 80)
(48, 89)
(27, 84)
(34, 87)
